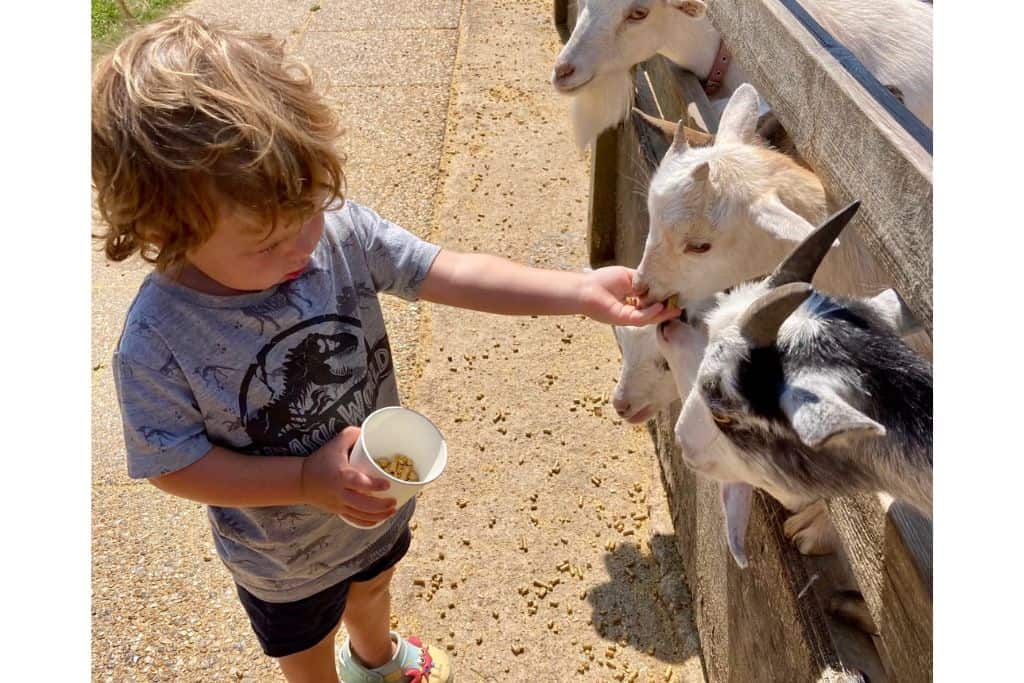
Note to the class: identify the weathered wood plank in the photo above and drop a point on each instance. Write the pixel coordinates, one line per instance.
(890, 555)
(757, 624)
(686, 94)
(601, 213)
(564, 12)
(853, 144)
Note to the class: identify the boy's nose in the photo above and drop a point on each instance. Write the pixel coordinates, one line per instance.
(305, 241)
(294, 251)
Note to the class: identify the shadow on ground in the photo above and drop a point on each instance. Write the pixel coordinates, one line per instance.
(641, 597)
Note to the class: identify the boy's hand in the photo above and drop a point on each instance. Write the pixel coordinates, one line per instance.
(603, 298)
(329, 483)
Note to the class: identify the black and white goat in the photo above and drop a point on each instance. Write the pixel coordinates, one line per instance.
(816, 394)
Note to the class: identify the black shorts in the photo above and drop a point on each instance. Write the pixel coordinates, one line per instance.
(284, 628)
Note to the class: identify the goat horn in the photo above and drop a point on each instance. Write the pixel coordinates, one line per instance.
(803, 261)
(668, 129)
(760, 323)
(697, 137)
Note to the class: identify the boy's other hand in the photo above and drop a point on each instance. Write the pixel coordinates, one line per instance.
(603, 297)
(330, 483)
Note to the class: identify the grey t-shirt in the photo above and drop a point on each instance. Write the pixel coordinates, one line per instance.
(277, 372)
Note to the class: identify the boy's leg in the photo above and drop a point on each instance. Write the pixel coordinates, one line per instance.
(367, 618)
(315, 665)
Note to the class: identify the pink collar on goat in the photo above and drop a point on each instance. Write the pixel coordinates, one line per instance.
(718, 70)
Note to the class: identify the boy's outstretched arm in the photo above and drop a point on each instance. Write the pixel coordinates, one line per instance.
(496, 285)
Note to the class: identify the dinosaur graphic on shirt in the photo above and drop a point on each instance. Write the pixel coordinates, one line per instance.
(310, 369)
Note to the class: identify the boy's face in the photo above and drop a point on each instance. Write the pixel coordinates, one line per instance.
(242, 256)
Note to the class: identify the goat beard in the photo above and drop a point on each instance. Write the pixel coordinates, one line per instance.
(599, 105)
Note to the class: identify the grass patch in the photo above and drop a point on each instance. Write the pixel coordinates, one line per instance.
(109, 25)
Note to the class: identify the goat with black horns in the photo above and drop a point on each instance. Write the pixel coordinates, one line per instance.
(816, 393)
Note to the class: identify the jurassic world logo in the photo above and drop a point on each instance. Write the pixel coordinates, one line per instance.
(309, 382)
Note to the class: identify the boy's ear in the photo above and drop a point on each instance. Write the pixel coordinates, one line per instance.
(691, 8)
(819, 415)
(736, 500)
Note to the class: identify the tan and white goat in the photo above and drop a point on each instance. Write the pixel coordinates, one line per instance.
(731, 211)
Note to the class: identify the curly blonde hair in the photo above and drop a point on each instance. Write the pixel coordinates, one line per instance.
(186, 115)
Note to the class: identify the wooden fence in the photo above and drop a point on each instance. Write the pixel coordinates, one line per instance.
(771, 622)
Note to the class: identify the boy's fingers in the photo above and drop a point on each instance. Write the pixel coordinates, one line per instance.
(669, 313)
(358, 517)
(368, 504)
(357, 481)
(647, 315)
(653, 314)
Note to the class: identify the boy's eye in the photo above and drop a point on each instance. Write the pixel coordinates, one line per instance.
(269, 249)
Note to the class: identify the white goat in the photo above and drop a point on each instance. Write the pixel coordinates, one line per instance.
(645, 386)
(892, 38)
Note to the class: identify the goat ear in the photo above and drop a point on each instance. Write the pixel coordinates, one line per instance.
(819, 415)
(736, 500)
(691, 8)
(771, 215)
(890, 307)
(739, 120)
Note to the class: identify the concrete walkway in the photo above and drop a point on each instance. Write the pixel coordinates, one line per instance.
(454, 133)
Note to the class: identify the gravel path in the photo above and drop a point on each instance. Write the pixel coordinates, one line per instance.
(548, 535)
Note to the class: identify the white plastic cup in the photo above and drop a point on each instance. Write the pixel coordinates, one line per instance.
(390, 431)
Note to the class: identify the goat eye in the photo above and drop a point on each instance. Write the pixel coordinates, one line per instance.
(697, 247)
(721, 418)
(638, 14)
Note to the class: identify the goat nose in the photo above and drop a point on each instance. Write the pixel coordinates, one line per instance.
(621, 406)
(640, 288)
(564, 70)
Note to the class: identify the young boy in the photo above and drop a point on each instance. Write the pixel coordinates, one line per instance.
(256, 347)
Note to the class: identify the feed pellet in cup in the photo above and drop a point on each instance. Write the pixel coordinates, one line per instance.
(399, 466)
